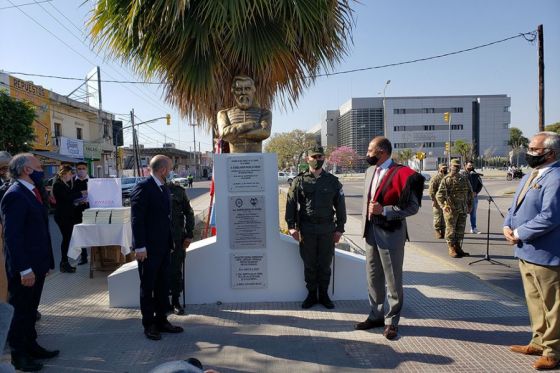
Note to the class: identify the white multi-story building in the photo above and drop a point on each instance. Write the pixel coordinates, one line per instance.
(417, 123)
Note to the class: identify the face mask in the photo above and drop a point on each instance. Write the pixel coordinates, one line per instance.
(316, 164)
(444, 172)
(168, 178)
(372, 160)
(454, 170)
(82, 173)
(37, 177)
(470, 169)
(535, 160)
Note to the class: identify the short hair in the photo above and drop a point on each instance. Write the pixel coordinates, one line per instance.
(18, 162)
(81, 163)
(5, 158)
(551, 141)
(241, 78)
(63, 169)
(159, 161)
(384, 144)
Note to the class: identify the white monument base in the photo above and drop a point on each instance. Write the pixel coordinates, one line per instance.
(241, 265)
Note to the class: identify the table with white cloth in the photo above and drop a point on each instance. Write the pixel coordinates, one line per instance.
(98, 237)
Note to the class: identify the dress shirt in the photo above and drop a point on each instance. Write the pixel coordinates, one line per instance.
(29, 186)
(383, 168)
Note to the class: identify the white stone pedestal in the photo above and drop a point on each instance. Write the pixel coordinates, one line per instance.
(242, 264)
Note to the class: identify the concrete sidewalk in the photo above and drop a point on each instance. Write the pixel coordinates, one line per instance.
(451, 322)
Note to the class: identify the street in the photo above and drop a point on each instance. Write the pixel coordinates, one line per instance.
(421, 233)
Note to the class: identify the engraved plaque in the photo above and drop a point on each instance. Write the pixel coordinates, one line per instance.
(248, 271)
(247, 222)
(246, 174)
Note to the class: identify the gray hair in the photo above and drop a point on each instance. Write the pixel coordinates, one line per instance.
(159, 161)
(551, 141)
(18, 162)
(5, 158)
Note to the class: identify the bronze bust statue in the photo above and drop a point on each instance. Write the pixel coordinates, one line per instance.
(244, 126)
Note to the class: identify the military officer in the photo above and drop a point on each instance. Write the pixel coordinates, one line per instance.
(455, 196)
(439, 222)
(182, 227)
(316, 214)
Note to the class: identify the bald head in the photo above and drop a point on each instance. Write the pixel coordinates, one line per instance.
(379, 150)
(160, 165)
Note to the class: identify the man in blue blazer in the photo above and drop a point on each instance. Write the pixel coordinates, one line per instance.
(29, 258)
(533, 226)
(151, 232)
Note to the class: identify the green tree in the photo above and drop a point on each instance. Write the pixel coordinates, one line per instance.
(404, 156)
(16, 124)
(289, 146)
(464, 149)
(554, 127)
(516, 138)
(196, 47)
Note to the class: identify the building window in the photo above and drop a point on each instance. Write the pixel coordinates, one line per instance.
(105, 128)
(429, 128)
(456, 127)
(57, 130)
(457, 110)
(506, 109)
(399, 128)
(429, 110)
(399, 111)
(78, 133)
(506, 125)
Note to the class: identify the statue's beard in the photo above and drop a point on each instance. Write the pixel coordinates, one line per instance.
(244, 102)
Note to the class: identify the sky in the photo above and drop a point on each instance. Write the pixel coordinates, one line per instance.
(50, 38)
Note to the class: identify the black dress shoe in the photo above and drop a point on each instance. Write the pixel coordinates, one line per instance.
(310, 301)
(25, 363)
(391, 332)
(152, 332)
(65, 267)
(38, 316)
(369, 324)
(326, 301)
(38, 352)
(168, 328)
(83, 261)
(178, 309)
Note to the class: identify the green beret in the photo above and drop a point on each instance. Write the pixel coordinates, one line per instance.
(455, 163)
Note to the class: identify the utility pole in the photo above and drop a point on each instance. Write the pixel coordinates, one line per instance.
(540, 36)
(134, 145)
(194, 149)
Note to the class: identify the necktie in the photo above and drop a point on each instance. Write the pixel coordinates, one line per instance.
(526, 186)
(37, 195)
(376, 181)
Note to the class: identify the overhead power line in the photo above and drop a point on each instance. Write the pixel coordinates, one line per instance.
(529, 36)
(24, 4)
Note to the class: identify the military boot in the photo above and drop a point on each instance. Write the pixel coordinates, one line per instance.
(460, 251)
(452, 250)
(310, 301)
(325, 300)
(439, 234)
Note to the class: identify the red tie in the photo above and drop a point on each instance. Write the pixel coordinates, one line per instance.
(37, 195)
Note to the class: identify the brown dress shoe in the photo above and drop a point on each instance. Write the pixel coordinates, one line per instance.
(369, 324)
(390, 332)
(545, 362)
(526, 350)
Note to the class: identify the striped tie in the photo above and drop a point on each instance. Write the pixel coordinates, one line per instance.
(534, 174)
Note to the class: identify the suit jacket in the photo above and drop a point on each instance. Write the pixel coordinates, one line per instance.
(151, 217)
(537, 218)
(27, 242)
(391, 212)
(65, 196)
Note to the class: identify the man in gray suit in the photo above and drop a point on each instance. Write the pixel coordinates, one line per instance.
(392, 192)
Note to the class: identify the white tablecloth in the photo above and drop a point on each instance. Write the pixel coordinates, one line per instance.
(86, 235)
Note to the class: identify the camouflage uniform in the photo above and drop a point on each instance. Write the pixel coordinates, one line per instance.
(318, 199)
(439, 221)
(182, 226)
(455, 192)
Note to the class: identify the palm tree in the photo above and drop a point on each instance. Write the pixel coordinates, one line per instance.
(196, 47)
(404, 156)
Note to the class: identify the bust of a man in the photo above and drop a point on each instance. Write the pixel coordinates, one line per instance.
(244, 126)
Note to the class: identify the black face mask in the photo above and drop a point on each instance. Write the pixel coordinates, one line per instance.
(316, 163)
(372, 160)
(444, 172)
(470, 169)
(535, 160)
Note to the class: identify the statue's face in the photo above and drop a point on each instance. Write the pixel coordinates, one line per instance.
(244, 91)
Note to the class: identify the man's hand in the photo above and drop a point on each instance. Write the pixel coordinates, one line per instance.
(374, 208)
(186, 243)
(510, 237)
(337, 236)
(295, 234)
(141, 256)
(28, 280)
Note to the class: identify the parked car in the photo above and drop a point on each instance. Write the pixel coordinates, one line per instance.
(286, 177)
(127, 183)
(182, 181)
(427, 178)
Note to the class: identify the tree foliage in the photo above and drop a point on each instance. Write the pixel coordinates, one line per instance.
(289, 147)
(464, 149)
(554, 127)
(516, 138)
(16, 124)
(404, 156)
(196, 47)
(344, 157)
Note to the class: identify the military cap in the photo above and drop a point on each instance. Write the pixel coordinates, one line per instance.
(5, 158)
(455, 163)
(442, 165)
(316, 150)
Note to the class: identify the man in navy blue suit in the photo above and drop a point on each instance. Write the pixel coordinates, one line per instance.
(29, 258)
(532, 225)
(151, 231)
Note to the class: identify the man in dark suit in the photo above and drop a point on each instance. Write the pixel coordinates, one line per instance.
(151, 231)
(532, 226)
(29, 258)
(392, 192)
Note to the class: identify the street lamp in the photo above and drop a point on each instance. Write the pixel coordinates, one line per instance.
(384, 109)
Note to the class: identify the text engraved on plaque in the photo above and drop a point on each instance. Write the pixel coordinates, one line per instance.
(246, 174)
(247, 222)
(248, 271)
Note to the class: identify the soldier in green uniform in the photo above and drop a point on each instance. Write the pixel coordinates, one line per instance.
(182, 227)
(314, 199)
(439, 221)
(455, 196)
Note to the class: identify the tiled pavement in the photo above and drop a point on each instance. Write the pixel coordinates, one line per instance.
(451, 322)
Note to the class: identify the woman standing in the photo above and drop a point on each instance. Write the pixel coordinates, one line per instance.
(64, 212)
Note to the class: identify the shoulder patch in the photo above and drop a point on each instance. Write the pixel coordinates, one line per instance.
(341, 192)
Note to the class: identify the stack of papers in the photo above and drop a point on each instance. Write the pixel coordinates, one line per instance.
(107, 215)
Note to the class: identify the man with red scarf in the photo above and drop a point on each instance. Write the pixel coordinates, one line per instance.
(392, 192)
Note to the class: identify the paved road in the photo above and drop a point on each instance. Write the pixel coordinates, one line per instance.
(421, 233)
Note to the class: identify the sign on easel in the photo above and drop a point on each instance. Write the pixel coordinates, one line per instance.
(104, 192)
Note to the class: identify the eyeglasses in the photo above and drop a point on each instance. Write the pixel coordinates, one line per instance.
(532, 150)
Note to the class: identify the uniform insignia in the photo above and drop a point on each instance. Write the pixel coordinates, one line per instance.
(341, 192)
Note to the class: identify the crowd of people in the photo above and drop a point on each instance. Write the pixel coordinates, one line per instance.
(163, 221)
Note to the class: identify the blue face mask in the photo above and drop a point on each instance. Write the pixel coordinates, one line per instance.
(168, 178)
(37, 177)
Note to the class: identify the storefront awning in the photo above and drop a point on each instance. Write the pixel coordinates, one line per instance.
(56, 156)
